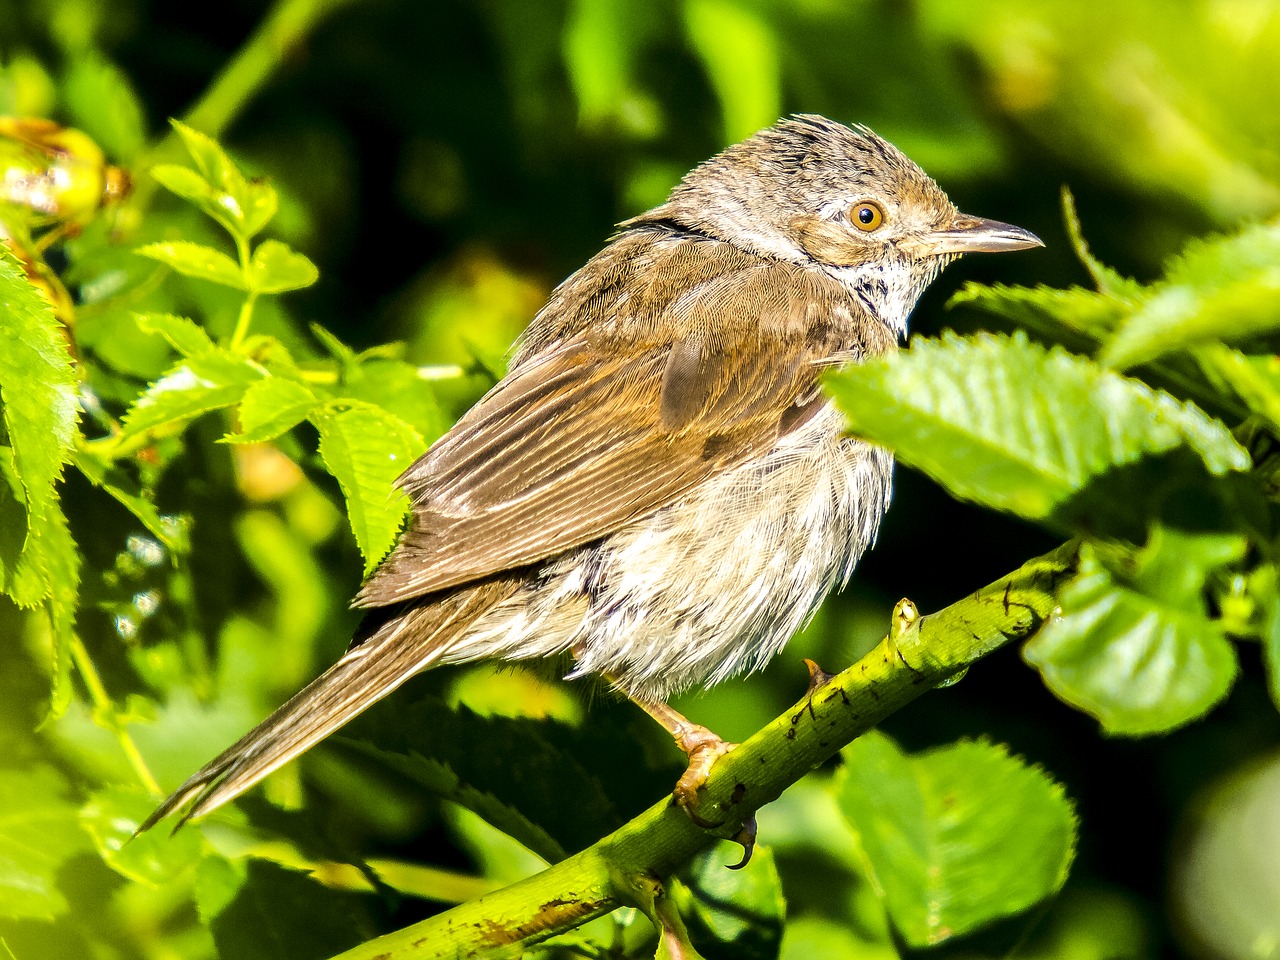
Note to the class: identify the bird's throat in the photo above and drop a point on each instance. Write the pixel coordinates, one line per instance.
(888, 288)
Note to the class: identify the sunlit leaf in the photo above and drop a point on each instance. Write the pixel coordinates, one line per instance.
(260, 201)
(1225, 288)
(1141, 654)
(194, 386)
(955, 837)
(196, 260)
(366, 449)
(1254, 378)
(113, 815)
(261, 204)
(1007, 423)
(400, 388)
(217, 882)
(37, 386)
(272, 406)
(59, 561)
(185, 336)
(183, 181)
(275, 269)
(1050, 310)
(39, 832)
(230, 200)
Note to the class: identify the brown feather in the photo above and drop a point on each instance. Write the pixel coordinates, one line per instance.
(584, 436)
(395, 648)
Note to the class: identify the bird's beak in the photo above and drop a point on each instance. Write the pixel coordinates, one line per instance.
(968, 234)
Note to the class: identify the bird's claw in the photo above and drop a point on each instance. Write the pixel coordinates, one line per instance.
(703, 748)
(746, 837)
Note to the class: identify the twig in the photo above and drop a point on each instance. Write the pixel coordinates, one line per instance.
(919, 653)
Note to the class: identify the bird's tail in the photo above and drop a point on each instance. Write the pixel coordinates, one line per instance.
(399, 644)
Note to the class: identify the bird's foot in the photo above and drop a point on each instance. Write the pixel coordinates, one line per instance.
(703, 748)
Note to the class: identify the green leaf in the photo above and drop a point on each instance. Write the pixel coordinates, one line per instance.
(1087, 314)
(112, 816)
(259, 199)
(1255, 379)
(400, 388)
(1178, 316)
(494, 765)
(1141, 653)
(260, 205)
(22, 577)
(956, 837)
(275, 269)
(1009, 424)
(184, 182)
(39, 833)
(270, 407)
(59, 560)
(366, 449)
(195, 386)
(213, 163)
(185, 336)
(242, 206)
(37, 386)
(1225, 288)
(211, 160)
(196, 260)
(737, 913)
(217, 883)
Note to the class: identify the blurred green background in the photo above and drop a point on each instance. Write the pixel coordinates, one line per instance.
(445, 164)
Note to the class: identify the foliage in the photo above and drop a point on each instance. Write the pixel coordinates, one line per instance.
(202, 423)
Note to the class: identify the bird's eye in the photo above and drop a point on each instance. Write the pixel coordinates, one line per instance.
(866, 216)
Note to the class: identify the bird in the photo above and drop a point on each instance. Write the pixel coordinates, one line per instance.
(658, 488)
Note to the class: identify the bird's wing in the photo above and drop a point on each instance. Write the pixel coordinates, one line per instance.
(587, 435)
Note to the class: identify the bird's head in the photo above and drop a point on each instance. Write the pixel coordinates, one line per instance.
(812, 191)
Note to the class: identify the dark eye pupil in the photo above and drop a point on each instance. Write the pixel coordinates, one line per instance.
(866, 215)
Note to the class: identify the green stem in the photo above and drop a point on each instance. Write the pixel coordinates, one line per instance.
(919, 653)
(104, 708)
(246, 309)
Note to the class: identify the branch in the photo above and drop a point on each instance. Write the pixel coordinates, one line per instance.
(919, 653)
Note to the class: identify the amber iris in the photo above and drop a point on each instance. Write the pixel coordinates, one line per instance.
(866, 215)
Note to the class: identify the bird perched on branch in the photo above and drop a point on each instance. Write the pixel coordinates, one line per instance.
(657, 488)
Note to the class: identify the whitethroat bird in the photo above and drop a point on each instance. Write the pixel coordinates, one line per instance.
(657, 488)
